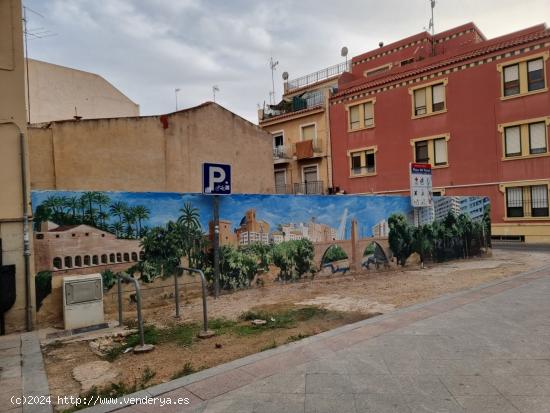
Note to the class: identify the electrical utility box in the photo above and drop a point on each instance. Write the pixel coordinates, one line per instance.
(82, 301)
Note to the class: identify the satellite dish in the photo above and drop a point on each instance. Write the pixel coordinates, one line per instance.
(285, 75)
(344, 51)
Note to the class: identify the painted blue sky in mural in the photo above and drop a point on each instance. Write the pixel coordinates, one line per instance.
(275, 209)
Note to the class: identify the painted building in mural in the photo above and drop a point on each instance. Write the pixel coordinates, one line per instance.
(72, 248)
(477, 109)
(58, 93)
(252, 230)
(150, 153)
(299, 125)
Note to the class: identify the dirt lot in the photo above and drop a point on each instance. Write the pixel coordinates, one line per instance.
(336, 301)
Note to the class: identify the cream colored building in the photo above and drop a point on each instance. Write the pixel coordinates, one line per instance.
(300, 128)
(150, 153)
(14, 196)
(59, 93)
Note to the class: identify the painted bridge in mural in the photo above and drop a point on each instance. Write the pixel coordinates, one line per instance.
(353, 247)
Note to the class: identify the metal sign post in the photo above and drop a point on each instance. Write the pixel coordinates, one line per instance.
(216, 180)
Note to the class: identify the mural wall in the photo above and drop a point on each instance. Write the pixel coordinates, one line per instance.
(148, 233)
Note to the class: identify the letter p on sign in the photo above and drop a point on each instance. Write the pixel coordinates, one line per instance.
(216, 179)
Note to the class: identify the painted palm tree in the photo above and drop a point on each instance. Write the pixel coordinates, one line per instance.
(90, 198)
(117, 228)
(129, 219)
(190, 217)
(74, 206)
(103, 217)
(102, 200)
(141, 213)
(118, 209)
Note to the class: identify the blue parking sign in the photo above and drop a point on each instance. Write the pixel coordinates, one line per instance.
(216, 179)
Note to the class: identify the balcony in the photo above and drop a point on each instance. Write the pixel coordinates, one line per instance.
(318, 76)
(282, 153)
(309, 188)
(309, 100)
(309, 149)
(302, 188)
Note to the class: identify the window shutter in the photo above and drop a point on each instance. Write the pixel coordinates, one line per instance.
(280, 178)
(513, 141)
(515, 197)
(534, 65)
(537, 137)
(440, 151)
(438, 93)
(369, 116)
(419, 98)
(539, 196)
(511, 73)
(308, 133)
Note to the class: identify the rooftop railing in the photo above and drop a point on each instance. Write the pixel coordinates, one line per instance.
(317, 76)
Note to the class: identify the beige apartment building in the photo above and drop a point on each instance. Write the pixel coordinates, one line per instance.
(299, 125)
(59, 93)
(150, 153)
(15, 251)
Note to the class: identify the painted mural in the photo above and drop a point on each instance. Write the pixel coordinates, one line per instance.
(147, 234)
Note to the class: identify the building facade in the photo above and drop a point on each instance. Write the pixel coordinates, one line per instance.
(150, 153)
(15, 250)
(59, 93)
(478, 110)
(299, 125)
(252, 230)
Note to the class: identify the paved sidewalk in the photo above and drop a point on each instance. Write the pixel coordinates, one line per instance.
(22, 374)
(483, 350)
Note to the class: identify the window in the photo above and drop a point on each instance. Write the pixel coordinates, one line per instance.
(39, 236)
(440, 151)
(535, 74)
(537, 138)
(68, 262)
(310, 173)
(512, 138)
(421, 152)
(377, 70)
(438, 98)
(95, 260)
(354, 121)
(522, 76)
(361, 115)
(57, 263)
(429, 99)
(514, 202)
(511, 80)
(539, 201)
(527, 201)
(87, 260)
(308, 133)
(363, 162)
(280, 181)
(525, 139)
(431, 150)
(420, 102)
(78, 261)
(278, 140)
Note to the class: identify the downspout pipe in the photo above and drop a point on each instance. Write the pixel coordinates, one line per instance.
(26, 231)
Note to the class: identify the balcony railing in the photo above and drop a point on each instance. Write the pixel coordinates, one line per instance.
(317, 76)
(303, 188)
(282, 152)
(298, 103)
(309, 188)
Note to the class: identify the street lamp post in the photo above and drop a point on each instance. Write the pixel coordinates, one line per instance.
(176, 90)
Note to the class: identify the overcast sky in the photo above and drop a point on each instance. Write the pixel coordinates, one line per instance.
(147, 48)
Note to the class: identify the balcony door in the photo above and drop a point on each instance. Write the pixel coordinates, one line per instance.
(280, 181)
(311, 183)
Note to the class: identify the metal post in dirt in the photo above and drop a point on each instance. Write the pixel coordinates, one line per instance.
(205, 333)
(119, 293)
(216, 246)
(177, 294)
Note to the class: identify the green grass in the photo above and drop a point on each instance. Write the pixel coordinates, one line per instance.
(283, 319)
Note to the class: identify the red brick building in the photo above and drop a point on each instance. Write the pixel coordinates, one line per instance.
(478, 110)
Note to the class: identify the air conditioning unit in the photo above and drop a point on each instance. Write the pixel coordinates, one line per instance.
(82, 301)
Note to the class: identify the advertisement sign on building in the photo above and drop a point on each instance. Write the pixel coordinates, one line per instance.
(421, 185)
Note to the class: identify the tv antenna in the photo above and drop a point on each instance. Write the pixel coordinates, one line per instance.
(344, 54)
(30, 34)
(431, 24)
(273, 64)
(215, 89)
